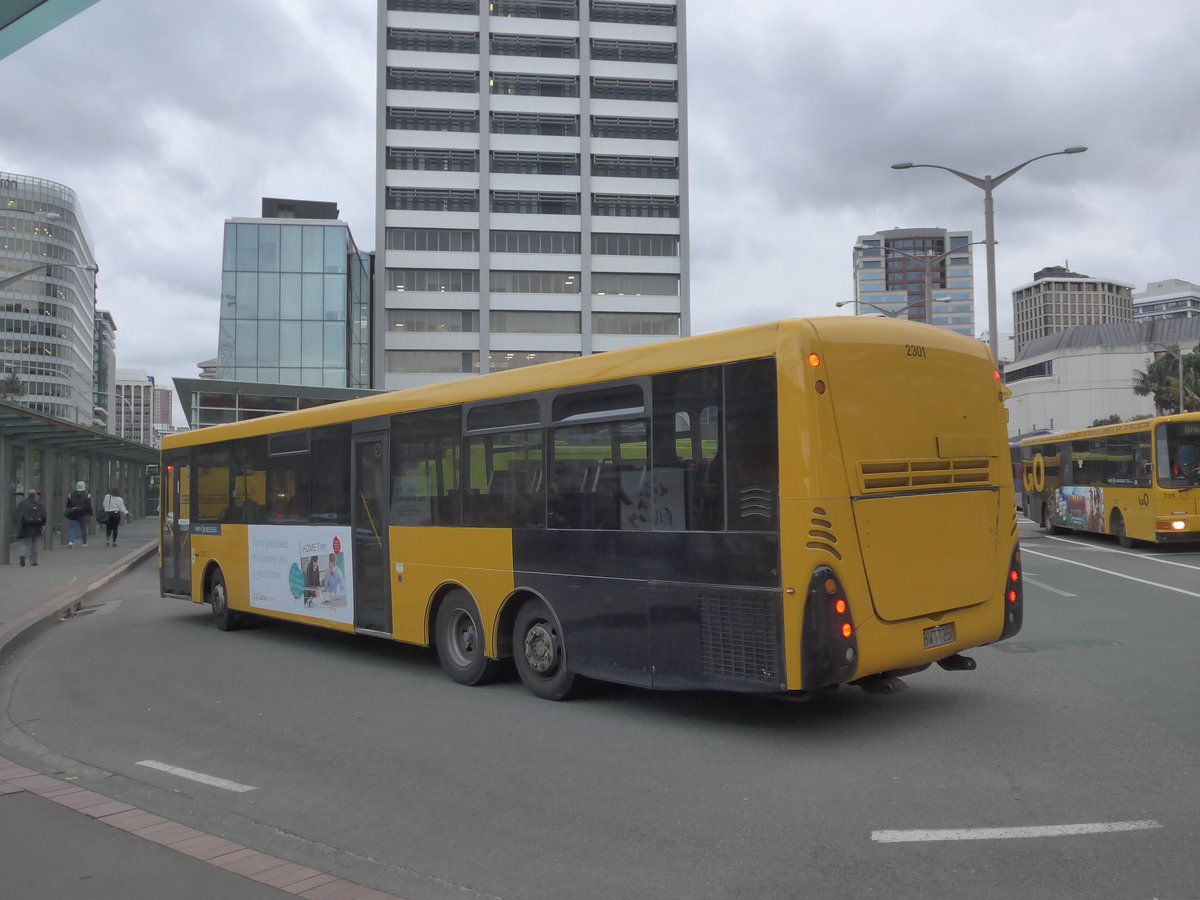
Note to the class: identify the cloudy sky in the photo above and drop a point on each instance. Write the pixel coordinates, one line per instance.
(168, 117)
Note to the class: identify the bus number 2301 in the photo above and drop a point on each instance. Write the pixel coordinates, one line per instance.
(914, 350)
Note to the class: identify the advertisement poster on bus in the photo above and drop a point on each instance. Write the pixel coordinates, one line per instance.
(306, 571)
(1079, 507)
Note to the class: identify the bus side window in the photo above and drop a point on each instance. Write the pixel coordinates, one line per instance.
(685, 438)
(752, 446)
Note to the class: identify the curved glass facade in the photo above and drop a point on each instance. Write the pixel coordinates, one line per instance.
(47, 316)
(291, 304)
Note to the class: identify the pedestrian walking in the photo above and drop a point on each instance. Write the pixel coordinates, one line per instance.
(31, 521)
(78, 513)
(112, 511)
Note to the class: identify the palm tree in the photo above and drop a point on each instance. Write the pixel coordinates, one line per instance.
(1161, 379)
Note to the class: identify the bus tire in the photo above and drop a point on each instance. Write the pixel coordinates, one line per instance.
(1048, 526)
(218, 598)
(1118, 530)
(540, 654)
(458, 636)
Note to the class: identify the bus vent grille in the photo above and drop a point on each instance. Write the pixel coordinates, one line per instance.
(885, 476)
(739, 637)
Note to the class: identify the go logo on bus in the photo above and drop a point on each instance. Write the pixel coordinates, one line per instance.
(1034, 477)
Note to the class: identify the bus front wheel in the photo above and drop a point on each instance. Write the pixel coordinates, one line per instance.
(459, 638)
(540, 654)
(218, 598)
(1118, 530)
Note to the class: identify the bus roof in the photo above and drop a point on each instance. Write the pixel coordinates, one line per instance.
(748, 342)
(1081, 434)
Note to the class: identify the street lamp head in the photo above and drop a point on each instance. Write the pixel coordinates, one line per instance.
(1075, 150)
(904, 165)
(843, 303)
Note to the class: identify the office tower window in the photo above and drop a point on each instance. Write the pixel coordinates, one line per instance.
(535, 282)
(535, 202)
(423, 321)
(443, 362)
(415, 40)
(534, 123)
(636, 283)
(633, 13)
(535, 163)
(635, 166)
(541, 322)
(433, 199)
(635, 323)
(445, 239)
(403, 119)
(536, 9)
(515, 84)
(517, 359)
(456, 7)
(634, 51)
(417, 158)
(635, 129)
(635, 245)
(534, 242)
(438, 280)
(534, 45)
(640, 206)
(635, 89)
(433, 80)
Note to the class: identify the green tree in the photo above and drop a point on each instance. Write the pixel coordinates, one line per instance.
(1161, 380)
(1114, 419)
(11, 387)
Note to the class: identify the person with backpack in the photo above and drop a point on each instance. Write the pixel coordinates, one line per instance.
(79, 512)
(111, 511)
(31, 520)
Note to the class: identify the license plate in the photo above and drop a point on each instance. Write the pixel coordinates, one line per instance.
(939, 635)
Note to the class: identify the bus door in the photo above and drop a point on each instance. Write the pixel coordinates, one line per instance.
(372, 585)
(174, 524)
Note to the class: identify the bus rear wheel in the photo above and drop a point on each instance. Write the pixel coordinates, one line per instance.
(1048, 525)
(1118, 530)
(540, 654)
(458, 635)
(218, 598)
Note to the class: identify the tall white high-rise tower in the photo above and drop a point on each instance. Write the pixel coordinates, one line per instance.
(531, 183)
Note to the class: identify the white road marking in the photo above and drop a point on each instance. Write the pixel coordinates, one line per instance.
(1046, 587)
(1165, 587)
(211, 780)
(1152, 557)
(987, 834)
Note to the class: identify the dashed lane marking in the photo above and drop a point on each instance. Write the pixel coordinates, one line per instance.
(210, 780)
(988, 834)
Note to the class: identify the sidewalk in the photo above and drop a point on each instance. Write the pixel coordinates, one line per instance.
(62, 840)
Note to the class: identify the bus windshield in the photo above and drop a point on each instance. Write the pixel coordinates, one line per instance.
(1179, 454)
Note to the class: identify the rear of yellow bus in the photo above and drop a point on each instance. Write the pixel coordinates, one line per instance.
(899, 536)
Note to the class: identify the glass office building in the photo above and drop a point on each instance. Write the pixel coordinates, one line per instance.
(294, 299)
(47, 297)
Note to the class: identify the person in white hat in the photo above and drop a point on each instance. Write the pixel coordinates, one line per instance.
(78, 513)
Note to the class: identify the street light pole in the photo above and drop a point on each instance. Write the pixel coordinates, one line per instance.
(927, 263)
(890, 313)
(10, 279)
(987, 184)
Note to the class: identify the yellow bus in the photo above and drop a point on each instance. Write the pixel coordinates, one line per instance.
(1132, 480)
(777, 508)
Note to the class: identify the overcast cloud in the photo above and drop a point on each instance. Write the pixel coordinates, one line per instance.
(168, 117)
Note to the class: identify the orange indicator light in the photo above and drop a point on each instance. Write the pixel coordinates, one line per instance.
(830, 586)
(995, 374)
(847, 629)
(839, 606)
(1013, 576)
(814, 359)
